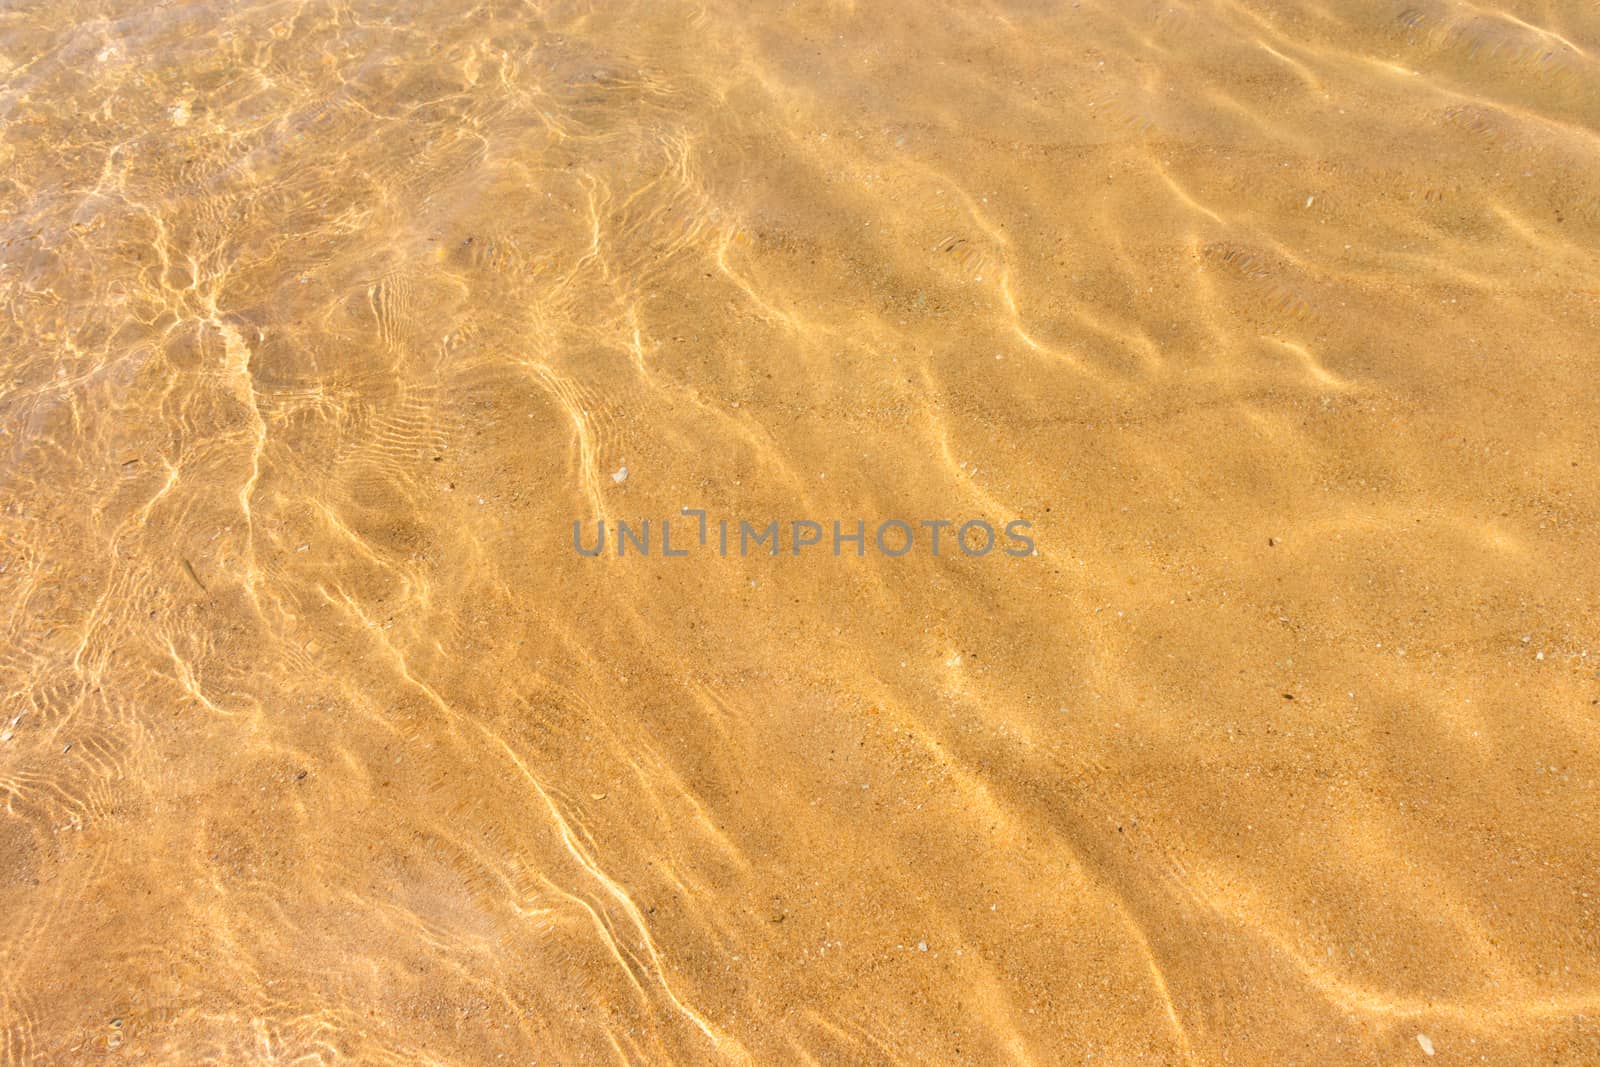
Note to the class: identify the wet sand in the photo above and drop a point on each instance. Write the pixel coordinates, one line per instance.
(1277, 323)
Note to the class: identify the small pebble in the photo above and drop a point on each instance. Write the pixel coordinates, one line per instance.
(1427, 1045)
(620, 475)
(922, 946)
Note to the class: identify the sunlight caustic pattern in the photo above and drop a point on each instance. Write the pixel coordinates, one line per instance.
(324, 321)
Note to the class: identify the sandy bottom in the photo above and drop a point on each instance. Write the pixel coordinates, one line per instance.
(1271, 735)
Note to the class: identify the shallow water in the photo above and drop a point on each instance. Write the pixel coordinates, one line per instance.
(1276, 322)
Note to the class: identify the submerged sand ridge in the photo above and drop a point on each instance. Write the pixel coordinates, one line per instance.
(320, 743)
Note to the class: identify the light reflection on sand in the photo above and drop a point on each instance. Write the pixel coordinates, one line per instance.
(319, 744)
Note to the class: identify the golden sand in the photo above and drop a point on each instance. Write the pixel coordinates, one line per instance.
(1277, 322)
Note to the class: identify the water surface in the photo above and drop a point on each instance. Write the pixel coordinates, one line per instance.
(325, 321)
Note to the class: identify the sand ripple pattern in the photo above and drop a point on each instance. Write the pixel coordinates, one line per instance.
(324, 321)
